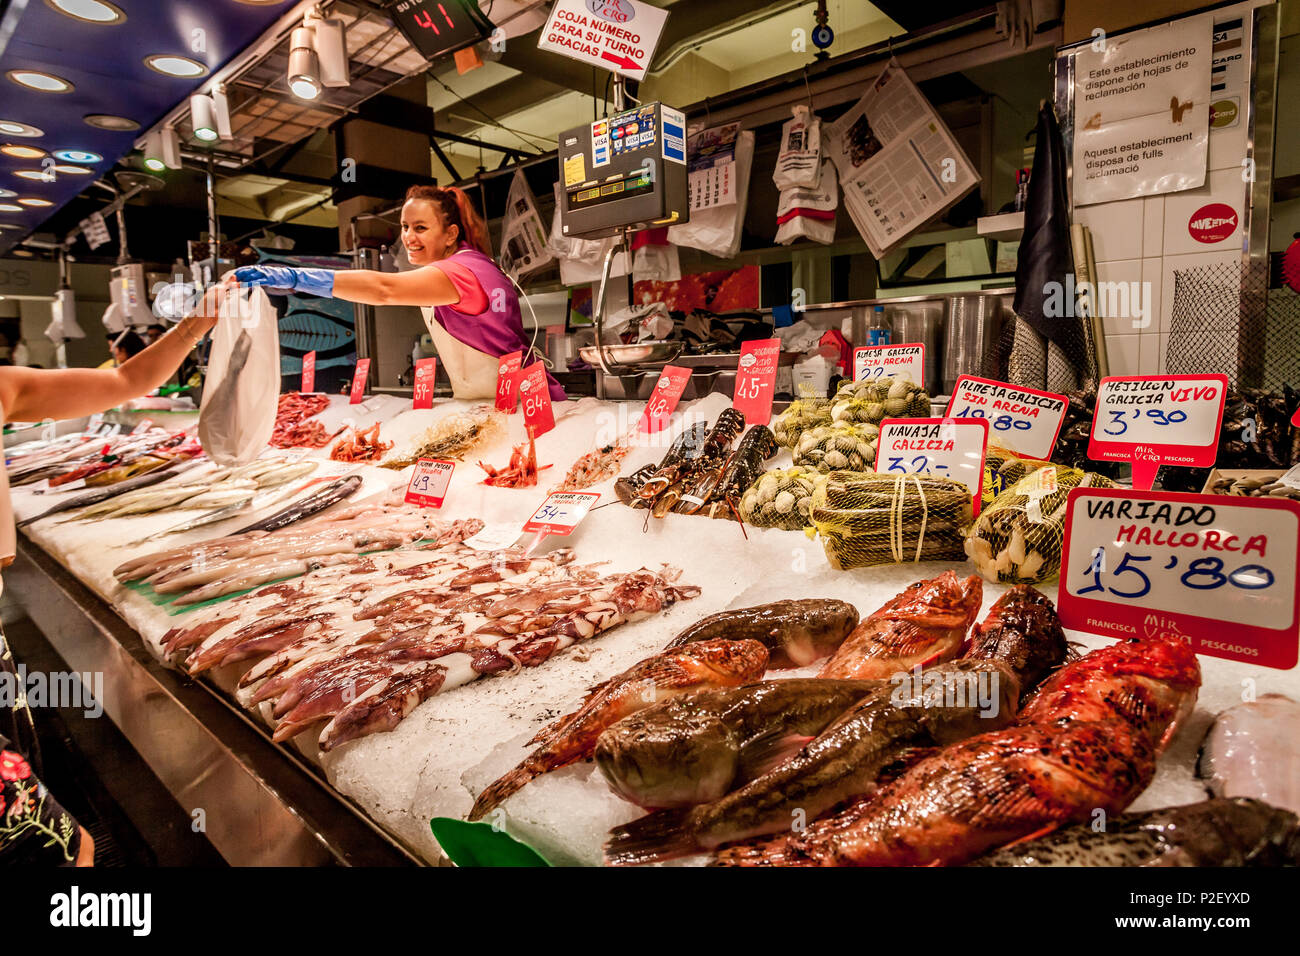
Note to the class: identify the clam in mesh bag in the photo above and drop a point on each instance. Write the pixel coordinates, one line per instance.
(842, 447)
(799, 416)
(869, 519)
(780, 498)
(1018, 538)
(1002, 469)
(872, 400)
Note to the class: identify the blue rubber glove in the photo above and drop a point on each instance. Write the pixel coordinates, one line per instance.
(281, 280)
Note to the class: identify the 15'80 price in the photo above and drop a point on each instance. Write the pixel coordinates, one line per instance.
(1202, 574)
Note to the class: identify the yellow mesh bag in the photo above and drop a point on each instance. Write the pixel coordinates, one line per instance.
(872, 400)
(868, 519)
(1018, 538)
(799, 416)
(780, 498)
(1002, 469)
(842, 447)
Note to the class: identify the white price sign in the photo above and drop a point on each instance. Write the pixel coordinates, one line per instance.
(879, 361)
(428, 485)
(1219, 572)
(561, 512)
(945, 447)
(1022, 420)
(618, 35)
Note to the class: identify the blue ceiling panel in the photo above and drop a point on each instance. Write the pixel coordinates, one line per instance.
(105, 64)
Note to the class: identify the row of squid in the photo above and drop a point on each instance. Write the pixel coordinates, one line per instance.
(702, 473)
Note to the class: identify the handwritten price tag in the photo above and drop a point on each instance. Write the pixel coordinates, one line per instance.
(425, 369)
(561, 512)
(876, 361)
(359, 381)
(756, 380)
(507, 384)
(945, 447)
(308, 373)
(428, 486)
(668, 392)
(535, 397)
(1154, 420)
(1022, 420)
(144, 425)
(1222, 573)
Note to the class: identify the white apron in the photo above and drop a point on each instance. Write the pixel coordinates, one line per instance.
(473, 373)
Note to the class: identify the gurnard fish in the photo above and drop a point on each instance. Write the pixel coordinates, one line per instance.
(1219, 832)
(1250, 751)
(1017, 643)
(795, 632)
(925, 624)
(1087, 740)
(668, 674)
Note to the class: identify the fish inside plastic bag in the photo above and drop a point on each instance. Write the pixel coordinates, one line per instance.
(238, 411)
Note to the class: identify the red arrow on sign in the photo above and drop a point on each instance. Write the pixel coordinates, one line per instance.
(623, 62)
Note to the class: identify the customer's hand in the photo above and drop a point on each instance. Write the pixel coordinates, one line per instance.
(86, 851)
(204, 317)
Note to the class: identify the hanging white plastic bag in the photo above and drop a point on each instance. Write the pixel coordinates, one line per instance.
(720, 160)
(523, 238)
(801, 151)
(809, 213)
(581, 260)
(243, 381)
(654, 258)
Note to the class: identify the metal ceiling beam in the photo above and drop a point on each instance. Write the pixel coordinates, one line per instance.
(691, 24)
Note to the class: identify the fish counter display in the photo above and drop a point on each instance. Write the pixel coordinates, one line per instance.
(657, 687)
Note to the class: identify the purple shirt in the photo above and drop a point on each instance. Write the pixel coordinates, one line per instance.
(499, 329)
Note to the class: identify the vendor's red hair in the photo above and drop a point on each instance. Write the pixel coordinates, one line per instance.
(456, 210)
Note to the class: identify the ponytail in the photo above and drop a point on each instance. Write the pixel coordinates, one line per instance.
(455, 209)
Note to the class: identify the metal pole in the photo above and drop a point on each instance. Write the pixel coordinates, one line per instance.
(214, 239)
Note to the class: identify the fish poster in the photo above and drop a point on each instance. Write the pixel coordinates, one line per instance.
(309, 323)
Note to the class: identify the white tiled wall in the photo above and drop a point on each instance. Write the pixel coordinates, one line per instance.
(1146, 240)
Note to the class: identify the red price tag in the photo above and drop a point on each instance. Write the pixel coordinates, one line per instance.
(756, 380)
(1221, 572)
(359, 381)
(428, 486)
(507, 384)
(1154, 420)
(308, 372)
(1023, 420)
(668, 392)
(946, 447)
(424, 372)
(535, 396)
(561, 512)
(878, 361)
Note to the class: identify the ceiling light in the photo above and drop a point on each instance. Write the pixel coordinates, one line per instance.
(304, 66)
(10, 207)
(15, 128)
(172, 65)
(171, 148)
(34, 202)
(153, 152)
(67, 170)
(78, 156)
(203, 117)
(331, 46)
(39, 175)
(89, 11)
(24, 253)
(118, 124)
(41, 82)
(7, 194)
(21, 152)
(221, 106)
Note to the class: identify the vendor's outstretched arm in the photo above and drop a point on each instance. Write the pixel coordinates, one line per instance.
(31, 394)
(427, 286)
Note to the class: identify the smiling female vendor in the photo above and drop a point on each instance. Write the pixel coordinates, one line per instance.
(468, 304)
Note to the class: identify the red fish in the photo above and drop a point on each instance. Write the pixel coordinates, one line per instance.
(925, 624)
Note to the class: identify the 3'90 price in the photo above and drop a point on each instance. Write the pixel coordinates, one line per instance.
(1157, 415)
(1202, 574)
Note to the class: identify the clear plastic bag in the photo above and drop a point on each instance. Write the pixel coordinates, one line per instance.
(238, 411)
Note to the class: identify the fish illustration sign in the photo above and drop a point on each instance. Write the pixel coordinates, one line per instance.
(618, 35)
